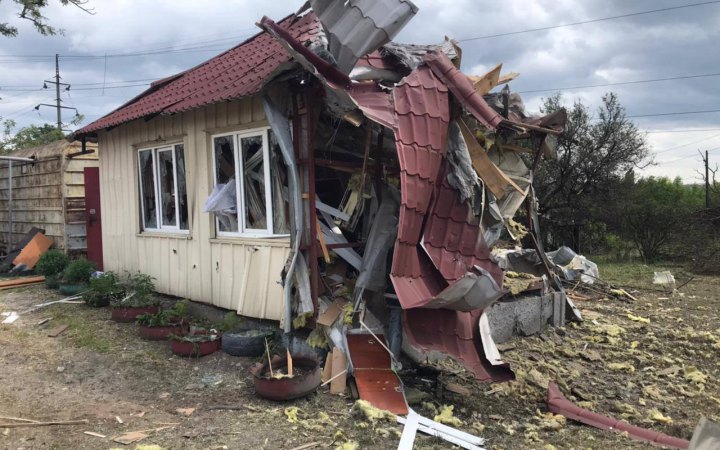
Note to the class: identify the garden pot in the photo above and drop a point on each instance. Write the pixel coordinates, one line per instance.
(129, 314)
(72, 289)
(52, 282)
(194, 349)
(160, 333)
(306, 380)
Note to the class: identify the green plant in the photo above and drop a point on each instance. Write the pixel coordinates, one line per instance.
(52, 262)
(140, 289)
(229, 322)
(103, 290)
(78, 271)
(159, 319)
(52, 281)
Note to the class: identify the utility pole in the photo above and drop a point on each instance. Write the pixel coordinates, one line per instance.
(57, 91)
(58, 101)
(707, 180)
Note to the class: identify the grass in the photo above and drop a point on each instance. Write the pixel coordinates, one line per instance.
(81, 331)
(636, 274)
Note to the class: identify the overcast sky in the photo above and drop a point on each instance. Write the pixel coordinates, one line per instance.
(181, 33)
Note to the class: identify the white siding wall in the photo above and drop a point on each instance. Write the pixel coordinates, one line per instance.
(234, 273)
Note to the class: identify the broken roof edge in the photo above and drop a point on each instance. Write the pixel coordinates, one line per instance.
(89, 131)
(294, 48)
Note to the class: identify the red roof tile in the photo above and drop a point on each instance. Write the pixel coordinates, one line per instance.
(236, 73)
(455, 333)
(462, 88)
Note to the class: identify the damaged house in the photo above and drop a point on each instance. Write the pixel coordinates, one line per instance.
(319, 163)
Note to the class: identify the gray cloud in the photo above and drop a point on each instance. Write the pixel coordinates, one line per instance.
(666, 44)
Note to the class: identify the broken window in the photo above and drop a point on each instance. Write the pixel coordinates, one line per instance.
(250, 195)
(163, 193)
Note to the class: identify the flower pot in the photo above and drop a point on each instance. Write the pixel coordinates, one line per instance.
(306, 379)
(72, 289)
(194, 349)
(52, 282)
(160, 333)
(129, 314)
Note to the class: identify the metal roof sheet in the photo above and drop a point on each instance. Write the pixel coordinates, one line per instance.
(357, 27)
(455, 333)
(236, 73)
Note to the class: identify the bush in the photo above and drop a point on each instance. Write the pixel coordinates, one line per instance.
(79, 271)
(140, 289)
(159, 319)
(52, 262)
(104, 289)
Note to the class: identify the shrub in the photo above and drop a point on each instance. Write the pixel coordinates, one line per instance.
(78, 271)
(104, 289)
(140, 289)
(52, 262)
(159, 319)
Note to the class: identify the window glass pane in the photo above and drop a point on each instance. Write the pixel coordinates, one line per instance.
(278, 179)
(225, 188)
(147, 189)
(254, 182)
(167, 188)
(182, 188)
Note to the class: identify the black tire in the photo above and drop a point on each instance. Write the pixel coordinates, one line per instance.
(245, 343)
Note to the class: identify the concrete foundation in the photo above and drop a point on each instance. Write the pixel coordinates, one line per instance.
(526, 315)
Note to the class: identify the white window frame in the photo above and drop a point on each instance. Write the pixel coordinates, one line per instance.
(154, 151)
(243, 231)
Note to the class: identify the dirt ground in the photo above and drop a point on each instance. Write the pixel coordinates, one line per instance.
(652, 362)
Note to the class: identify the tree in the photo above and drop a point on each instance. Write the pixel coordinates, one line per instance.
(29, 136)
(593, 153)
(32, 10)
(656, 214)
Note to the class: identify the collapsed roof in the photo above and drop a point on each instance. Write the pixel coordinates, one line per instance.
(462, 178)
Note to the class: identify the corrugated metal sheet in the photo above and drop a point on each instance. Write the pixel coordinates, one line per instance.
(233, 273)
(355, 28)
(455, 333)
(236, 73)
(463, 89)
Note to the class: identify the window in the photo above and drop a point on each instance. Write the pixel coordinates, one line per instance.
(249, 196)
(163, 192)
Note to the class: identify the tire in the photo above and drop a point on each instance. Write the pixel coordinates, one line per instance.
(245, 343)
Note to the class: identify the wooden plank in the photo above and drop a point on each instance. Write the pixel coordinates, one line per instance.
(30, 254)
(508, 77)
(21, 281)
(485, 83)
(339, 364)
(323, 246)
(327, 370)
(494, 178)
(55, 332)
(332, 313)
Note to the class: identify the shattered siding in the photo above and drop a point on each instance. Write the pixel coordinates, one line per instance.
(234, 273)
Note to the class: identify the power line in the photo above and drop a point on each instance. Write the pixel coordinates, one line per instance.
(620, 83)
(684, 157)
(601, 19)
(688, 130)
(685, 145)
(673, 113)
